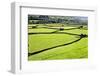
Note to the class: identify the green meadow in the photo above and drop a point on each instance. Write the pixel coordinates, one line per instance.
(54, 41)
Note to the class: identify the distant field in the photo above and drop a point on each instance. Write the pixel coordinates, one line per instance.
(57, 41)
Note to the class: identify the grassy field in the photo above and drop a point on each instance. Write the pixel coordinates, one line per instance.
(48, 42)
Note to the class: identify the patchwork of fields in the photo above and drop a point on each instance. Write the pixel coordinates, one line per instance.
(54, 41)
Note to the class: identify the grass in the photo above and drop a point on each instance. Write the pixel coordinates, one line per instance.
(40, 30)
(73, 51)
(76, 31)
(38, 42)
